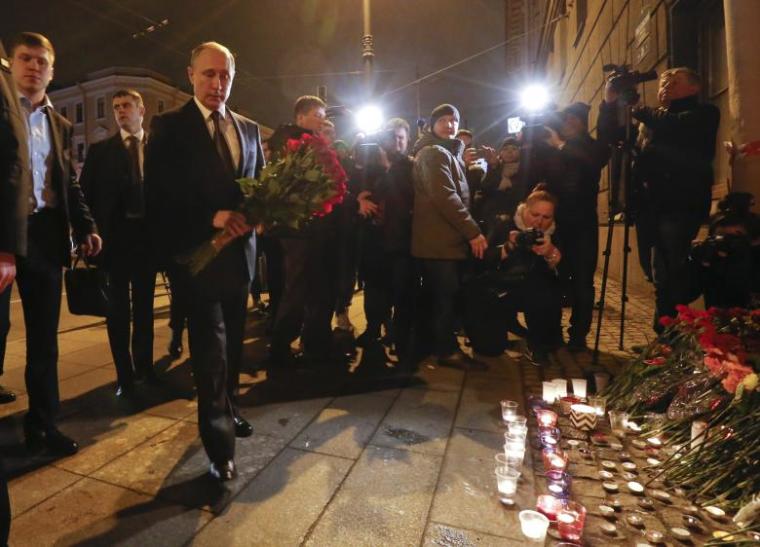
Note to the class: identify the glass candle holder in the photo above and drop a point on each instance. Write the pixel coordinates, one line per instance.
(554, 460)
(546, 418)
(570, 521)
(598, 403)
(601, 381)
(549, 505)
(515, 428)
(618, 421)
(508, 410)
(514, 458)
(506, 482)
(534, 525)
(549, 437)
(579, 387)
(566, 403)
(558, 483)
(519, 420)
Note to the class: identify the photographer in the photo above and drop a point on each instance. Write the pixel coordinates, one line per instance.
(503, 188)
(674, 172)
(444, 234)
(527, 264)
(726, 264)
(385, 263)
(581, 159)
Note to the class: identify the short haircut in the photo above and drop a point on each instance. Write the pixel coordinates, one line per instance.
(464, 132)
(31, 39)
(133, 93)
(691, 74)
(212, 45)
(306, 104)
(397, 123)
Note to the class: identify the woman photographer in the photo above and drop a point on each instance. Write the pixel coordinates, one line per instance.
(528, 261)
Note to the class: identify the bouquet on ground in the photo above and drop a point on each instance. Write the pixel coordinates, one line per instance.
(306, 182)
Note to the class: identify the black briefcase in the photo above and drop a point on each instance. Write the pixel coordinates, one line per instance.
(86, 289)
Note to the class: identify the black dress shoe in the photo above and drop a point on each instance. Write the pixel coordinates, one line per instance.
(224, 471)
(175, 346)
(6, 396)
(125, 391)
(51, 439)
(242, 427)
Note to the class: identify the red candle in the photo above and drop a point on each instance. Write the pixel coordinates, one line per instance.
(549, 506)
(570, 521)
(546, 418)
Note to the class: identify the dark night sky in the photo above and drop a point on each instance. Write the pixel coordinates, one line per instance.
(291, 38)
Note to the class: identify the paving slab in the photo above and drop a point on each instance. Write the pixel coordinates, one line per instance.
(383, 501)
(419, 421)
(102, 439)
(467, 496)
(30, 489)
(345, 426)
(95, 513)
(438, 378)
(95, 355)
(280, 505)
(283, 419)
(103, 377)
(441, 535)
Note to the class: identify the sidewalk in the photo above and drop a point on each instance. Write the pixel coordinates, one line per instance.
(369, 457)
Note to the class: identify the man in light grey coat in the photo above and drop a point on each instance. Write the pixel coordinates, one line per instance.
(443, 231)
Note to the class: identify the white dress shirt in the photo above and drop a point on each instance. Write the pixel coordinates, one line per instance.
(40, 153)
(228, 129)
(140, 144)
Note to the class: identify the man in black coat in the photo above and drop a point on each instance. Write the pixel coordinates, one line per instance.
(112, 182)
(675, 170)
(40, 236)
(193, 157)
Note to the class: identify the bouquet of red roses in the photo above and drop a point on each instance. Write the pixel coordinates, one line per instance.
(306, 182)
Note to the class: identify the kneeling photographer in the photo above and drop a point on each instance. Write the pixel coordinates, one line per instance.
(725, 264)
(522, 277)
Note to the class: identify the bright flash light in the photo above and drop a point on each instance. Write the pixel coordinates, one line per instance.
(369, 119)
(534, 97)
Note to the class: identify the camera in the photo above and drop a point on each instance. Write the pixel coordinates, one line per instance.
(719, 247)
(623, 80)
(528, 238)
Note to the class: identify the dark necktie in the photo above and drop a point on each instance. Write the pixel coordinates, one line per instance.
(221, 145)
(134, 202)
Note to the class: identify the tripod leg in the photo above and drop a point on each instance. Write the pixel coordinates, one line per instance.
(603, 291)
(624, 287)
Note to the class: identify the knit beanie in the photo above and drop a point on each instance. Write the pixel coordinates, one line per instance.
(444, 109)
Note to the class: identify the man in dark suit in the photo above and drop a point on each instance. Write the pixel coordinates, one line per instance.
(112, 182)
(44, 214)
(192, 159)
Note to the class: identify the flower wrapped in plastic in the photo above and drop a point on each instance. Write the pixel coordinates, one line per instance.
(306, 182)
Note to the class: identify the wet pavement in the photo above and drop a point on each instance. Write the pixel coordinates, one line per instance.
(366, 454)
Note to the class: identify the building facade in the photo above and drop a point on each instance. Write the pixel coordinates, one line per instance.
(579, 37)
(88, 105)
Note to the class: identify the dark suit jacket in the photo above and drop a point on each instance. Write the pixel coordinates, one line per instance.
(15, 169)
(186, 183)
(105, 181)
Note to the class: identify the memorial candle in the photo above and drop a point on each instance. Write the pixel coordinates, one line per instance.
(549, 506)
(546, 418)
(554, 460)
(558, 483)
(570, 521)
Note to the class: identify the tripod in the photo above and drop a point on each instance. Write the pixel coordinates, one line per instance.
(619, 201)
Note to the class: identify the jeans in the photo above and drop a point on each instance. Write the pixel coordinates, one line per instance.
(580, 248)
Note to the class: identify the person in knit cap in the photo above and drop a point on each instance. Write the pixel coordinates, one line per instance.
(444, 234)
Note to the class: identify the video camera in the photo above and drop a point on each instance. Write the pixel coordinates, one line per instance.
(623, 80)
(528, 238)
(368, 152)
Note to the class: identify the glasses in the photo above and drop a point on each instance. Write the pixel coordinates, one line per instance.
(506, 482)
(598, 403)
(508, 411)
(618, 421)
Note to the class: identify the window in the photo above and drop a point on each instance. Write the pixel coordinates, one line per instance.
(80, 152)
(580, 19)
(65, 112)
(79, 117)
(100, 107)
(161, 106)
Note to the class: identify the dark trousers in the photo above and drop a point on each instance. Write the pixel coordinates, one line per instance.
(5, 507)
(308, 299)
(272, 250)
(5, 322)
(580, 248)
(216, 324)
(539, 297)
(442, 281)
(348, 259)
(178, 305)
(39, 278)
(131, 287)
(673, 234)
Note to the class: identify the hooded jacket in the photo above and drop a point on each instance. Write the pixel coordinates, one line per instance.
(441, 225)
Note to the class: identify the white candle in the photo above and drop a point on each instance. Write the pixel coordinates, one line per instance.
(579, 387)
(560, 388)
(549, 393)
(534, 525)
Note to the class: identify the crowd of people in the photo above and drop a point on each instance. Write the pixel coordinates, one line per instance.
(444, 237)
